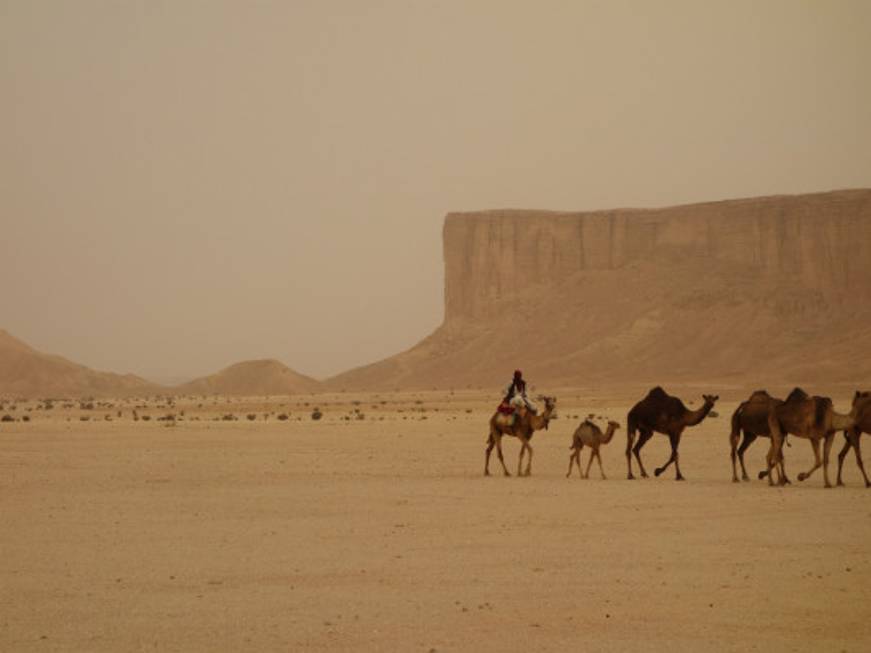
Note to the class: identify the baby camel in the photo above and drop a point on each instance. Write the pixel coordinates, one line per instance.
(590, 435)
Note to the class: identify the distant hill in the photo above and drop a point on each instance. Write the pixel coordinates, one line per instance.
(770, 289)
(25, 372)
(251, 378)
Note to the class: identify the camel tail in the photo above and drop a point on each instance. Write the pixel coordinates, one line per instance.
(736, 418)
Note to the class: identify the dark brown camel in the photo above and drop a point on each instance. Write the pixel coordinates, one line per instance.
(862, 414)
(751, 418)
(659, 412)
(812, 418)
(521, 426)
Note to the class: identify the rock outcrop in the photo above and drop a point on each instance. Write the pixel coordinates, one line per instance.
(773, 288)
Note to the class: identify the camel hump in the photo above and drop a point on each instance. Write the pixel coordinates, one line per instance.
(797, 394)
(657, 393)
(821, 407)
(760, 395)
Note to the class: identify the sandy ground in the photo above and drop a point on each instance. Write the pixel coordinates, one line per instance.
(382, 534)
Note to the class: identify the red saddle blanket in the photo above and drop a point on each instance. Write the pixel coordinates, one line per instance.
(505, 408)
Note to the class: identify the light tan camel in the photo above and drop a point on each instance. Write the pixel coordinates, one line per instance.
(522, 426)
(661, 413)
(812, 418)
(751, 418)
(862, 413)
(590, 435)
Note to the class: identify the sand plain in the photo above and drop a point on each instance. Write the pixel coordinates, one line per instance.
(382, 534)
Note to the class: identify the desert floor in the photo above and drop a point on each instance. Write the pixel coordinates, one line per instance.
(381, 533)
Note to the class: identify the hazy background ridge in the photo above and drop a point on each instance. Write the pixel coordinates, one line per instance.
(183, 186)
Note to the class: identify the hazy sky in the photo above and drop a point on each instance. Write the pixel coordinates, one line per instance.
(184, 185)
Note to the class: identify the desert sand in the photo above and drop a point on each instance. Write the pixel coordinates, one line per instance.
(380, 533)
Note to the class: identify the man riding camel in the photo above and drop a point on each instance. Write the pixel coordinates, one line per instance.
(515, 394)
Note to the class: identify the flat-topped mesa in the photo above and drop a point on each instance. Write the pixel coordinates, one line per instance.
(819, 240)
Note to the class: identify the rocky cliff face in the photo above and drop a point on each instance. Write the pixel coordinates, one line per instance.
(821, 241)
(764, 290)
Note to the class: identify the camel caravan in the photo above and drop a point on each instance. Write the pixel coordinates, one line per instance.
(800, 415)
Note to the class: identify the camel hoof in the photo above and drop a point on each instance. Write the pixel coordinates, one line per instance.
(828, 486)
(657, 472)
(762, 475)
(735, 480)
(679, 478)
(644, 475)
(867, 484)
(745, 478)
(802, 476)
(840, 483)
(630, 477)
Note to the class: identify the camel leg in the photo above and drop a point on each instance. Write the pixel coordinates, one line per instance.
(781, 467)
(590, 462)
(642, 440)
(774, 450)
(827, 449)
(528, 471)
(501, 457)
(520, 456)
(815, 444)
(749, 438)
(576, 453)
(674, 439)
(859, 457)
(630, 440)
(848, 443)
(578, 459)
(491, 442)
(733, 445)
(601, 469)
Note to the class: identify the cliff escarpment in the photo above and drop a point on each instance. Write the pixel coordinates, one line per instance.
(820, 241)
(773, 289)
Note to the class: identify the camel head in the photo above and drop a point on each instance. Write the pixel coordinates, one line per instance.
(861, 398)
(616, 425)
(710, 400)
(549, 412)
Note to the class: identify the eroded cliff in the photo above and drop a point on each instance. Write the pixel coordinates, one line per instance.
(773, 289)
(820, 240)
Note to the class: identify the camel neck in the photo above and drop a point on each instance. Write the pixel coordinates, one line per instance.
(696, 416)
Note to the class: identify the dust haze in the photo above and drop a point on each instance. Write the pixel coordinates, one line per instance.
(187, 185)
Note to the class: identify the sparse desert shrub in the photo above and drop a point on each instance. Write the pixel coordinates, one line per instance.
(229, 417)
(713, 413)
(84, 418)
(283, 417)
(361, 416)
(7, 418)
(26, 418)
(317, 414)
(251, 417)
(146, 418)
